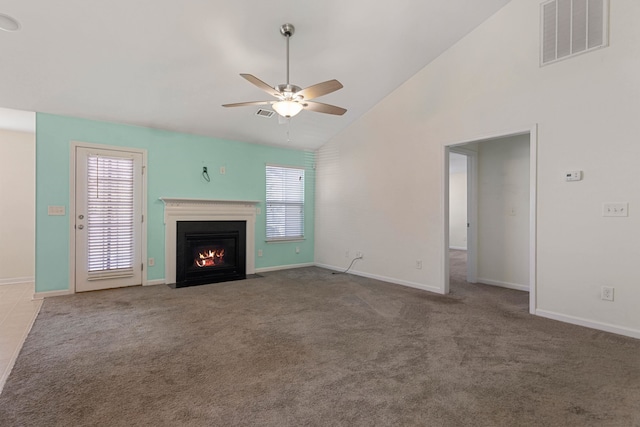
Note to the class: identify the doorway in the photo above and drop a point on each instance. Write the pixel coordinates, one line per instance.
(107, 217)
(501, 212)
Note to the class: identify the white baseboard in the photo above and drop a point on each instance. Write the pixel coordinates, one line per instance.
(607, 327)
(386, 279)
(507, 285)
(14, 356)
(17, 280)
(48, 294)
(155, 282)
(458, 248)
(284, 267)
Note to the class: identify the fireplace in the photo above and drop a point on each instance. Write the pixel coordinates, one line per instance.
(194, 210)
(210, 252)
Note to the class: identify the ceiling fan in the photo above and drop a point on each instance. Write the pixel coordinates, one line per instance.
(291, 99)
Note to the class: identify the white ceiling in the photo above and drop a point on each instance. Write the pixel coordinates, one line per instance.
(171, 64)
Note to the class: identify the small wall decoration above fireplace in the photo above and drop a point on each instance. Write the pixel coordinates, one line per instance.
(210, 252)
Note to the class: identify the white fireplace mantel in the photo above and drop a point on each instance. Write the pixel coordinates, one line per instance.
(182, 209)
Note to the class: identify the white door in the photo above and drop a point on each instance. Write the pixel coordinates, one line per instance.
(108, 219)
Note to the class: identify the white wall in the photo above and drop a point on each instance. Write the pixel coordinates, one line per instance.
(457, 201)
(503, 212)
(380, 181)
(17, 206)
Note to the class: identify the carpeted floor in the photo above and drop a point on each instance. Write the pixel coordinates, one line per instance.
(307, 348)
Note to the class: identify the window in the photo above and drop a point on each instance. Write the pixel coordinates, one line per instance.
(110, 215)
(285, 203)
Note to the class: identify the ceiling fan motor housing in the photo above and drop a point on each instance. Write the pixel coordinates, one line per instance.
(288, 89)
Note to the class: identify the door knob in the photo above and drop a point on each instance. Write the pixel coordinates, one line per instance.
(80, 216)
(80, 227)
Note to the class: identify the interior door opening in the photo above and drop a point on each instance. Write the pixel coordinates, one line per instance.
(490, 187)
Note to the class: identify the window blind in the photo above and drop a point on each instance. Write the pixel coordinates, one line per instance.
(110, 217)
(285, 203)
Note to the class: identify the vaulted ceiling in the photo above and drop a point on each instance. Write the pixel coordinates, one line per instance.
(171, 64)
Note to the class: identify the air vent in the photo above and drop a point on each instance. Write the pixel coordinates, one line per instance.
(264, 113)
(572, 27)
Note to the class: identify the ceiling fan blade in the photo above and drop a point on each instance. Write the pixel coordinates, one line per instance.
(260, 84)
(319, 107)
(246, 104)
(320, 89)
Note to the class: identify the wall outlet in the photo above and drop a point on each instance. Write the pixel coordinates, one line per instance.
(259, 252)
(419, 265)
(346, 254)
(223, 170)
(297, 249)
(359, 255)
(152, 262)
(606, 293)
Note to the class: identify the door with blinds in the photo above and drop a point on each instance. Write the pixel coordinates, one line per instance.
(108, 219)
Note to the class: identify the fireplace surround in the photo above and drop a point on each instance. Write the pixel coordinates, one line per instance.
(206, 210)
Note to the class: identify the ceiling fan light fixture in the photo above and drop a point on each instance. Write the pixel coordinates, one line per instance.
(287, 108)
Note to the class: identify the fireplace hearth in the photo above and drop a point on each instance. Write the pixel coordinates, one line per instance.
(210, 252)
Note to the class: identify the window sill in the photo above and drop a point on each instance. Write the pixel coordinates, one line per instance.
(286, 240)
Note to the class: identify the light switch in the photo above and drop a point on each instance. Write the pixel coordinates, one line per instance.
(615, 209)
(55, 210)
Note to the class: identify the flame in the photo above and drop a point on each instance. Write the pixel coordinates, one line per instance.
(210, 258)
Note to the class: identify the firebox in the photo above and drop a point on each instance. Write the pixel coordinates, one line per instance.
(210, 252)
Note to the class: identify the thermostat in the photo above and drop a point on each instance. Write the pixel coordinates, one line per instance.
(573, 176)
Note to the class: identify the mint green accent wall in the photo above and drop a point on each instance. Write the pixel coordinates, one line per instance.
(174, 169)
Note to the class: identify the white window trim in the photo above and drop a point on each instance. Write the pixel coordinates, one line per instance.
(286, 239)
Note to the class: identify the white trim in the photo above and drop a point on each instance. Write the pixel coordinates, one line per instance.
(533, 218)
(184, 201)
(155, 282)
(284, 267)
(532, 131)
(181, 209)
(48, 294)
(501, 284)
(601, 326)
(458, 248)
(72, 205)
(16, 352)
(16, 280)
(385, 279)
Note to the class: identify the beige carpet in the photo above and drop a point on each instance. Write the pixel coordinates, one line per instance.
(308, 348)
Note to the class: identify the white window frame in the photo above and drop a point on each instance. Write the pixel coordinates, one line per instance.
(290, 197)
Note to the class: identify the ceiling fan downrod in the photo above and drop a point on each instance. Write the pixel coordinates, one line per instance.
(287, 30)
